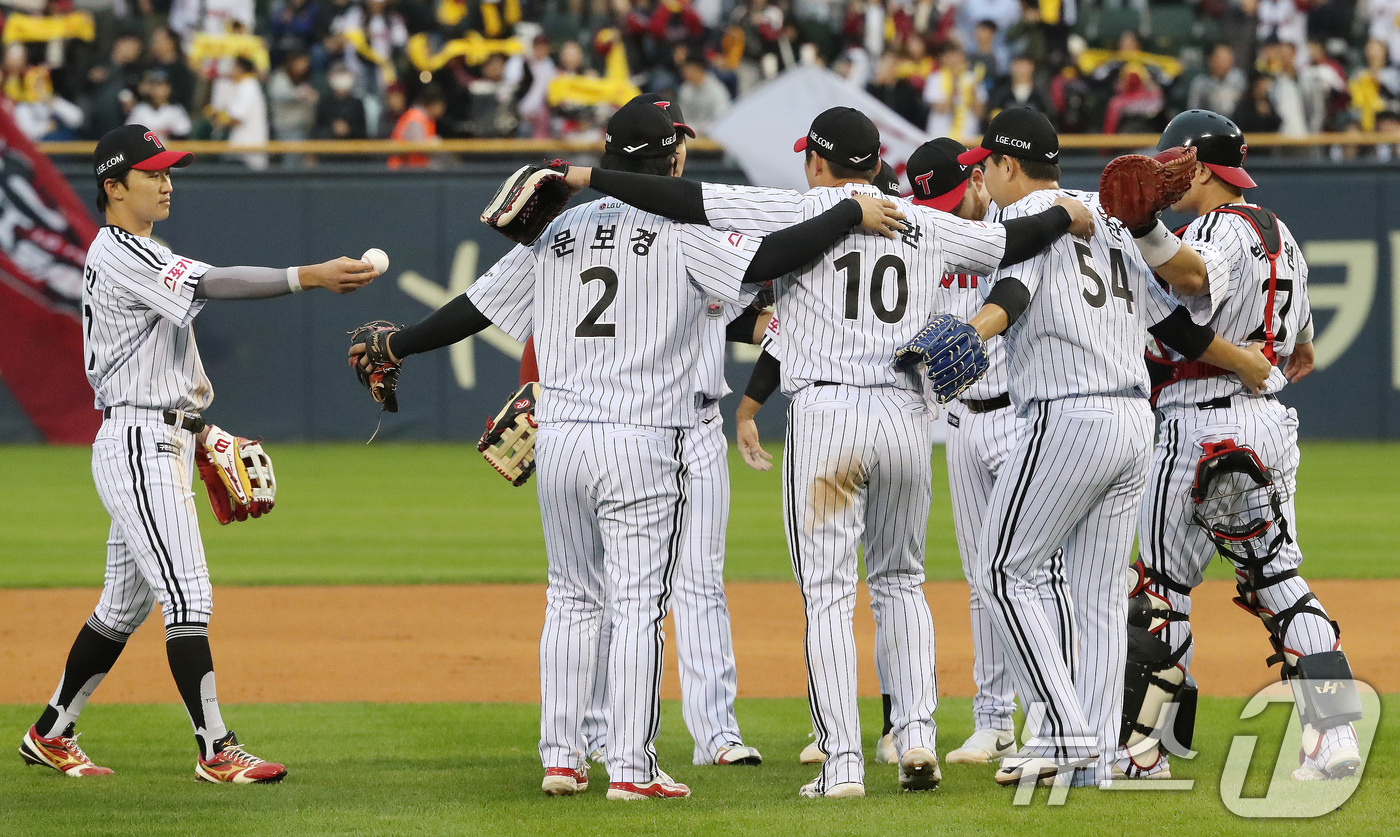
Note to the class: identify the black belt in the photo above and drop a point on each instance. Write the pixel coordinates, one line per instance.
(1224, 402)
(987, 405)
(174, 418)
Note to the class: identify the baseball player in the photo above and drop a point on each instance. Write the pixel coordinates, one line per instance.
(857, 462)
(138, 300)
(1237, 266)
(617, 299)
(1075, 318)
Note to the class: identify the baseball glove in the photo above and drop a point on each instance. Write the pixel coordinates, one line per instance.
(1134, 188)
(509, 441)
(376, 369)
(951, 352)
(237, 475)
(528, 201)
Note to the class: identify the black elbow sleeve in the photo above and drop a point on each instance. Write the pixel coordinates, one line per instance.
(1013, 297)
(766, 374)
(1182, 334)
(740, 329)
(1029, 235)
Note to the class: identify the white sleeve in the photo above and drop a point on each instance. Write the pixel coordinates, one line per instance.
(756, 210)
(1219, 244)
(164, 282)
(506, 292)
(974, 247)
(717, 260)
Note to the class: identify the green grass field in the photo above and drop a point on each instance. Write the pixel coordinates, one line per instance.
(428, 514)
(410, 514)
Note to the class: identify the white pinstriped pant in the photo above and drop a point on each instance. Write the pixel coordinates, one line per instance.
(978, 446)
(857, 470)
(1167, 539)
(614, 507)
(705, 642)
(1075, 479)
(143, 469)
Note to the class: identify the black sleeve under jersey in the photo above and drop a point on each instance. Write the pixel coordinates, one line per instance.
(1029, 235)
(790, 249)
(670, 197)
(1182, 334)
(767, 373)
(453, 322)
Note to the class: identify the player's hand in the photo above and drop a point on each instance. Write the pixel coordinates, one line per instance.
(754, 455)
(357, 354)
(880, 216)
(341, 275)
(1081, 220)
(1300, 363)
(1256, 368)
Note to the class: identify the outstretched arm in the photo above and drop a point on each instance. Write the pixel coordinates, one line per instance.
(669, 197)
(341, 275)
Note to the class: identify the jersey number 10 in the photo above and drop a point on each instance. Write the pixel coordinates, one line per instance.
(849, 264)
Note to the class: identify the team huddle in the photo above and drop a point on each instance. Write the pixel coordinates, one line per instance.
(1020, 308)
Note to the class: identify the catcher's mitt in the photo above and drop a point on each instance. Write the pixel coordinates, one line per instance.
(509, 441)
(237, 475)
(376, 369)
(528, 201)
(1134, 188)
(951, 352)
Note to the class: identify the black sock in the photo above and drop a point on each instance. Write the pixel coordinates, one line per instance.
(93, 654)
(888, 726)
(192, 665)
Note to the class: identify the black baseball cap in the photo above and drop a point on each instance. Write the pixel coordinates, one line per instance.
(844, 136)
(640, 129)
(936, 175)
(673, 110)
(887, 180)
(1017, 132)
(134, 147)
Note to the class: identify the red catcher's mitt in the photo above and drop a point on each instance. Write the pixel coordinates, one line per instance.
(1134, 188)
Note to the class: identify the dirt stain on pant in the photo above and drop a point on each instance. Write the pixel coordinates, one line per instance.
(833, 490)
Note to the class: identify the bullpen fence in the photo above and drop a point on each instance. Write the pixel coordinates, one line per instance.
(279, 369)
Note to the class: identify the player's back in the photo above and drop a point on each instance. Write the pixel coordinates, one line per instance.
(1091, 304)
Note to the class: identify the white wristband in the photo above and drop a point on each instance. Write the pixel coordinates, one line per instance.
(294, 280)
(1158, 246)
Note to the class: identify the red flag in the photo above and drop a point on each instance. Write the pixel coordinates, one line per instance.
(44, 235)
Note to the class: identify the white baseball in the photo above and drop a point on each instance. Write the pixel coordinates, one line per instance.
(378, 258)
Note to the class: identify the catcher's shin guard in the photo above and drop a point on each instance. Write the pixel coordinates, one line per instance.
(1325, 694)
(1159, 698)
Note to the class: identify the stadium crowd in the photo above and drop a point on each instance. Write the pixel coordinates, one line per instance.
(252, 70)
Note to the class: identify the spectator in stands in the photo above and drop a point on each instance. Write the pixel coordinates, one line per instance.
(1221, 86)
(163, 53)
(242, 111)
(955, 95)
(419, 124)
(375, 37)
(155, 110)
(1137, 103)
(1283, 20)
(1028, 35)
(492, 108)
(534, 109)
(1019, 90)
(1281, 60)
(897, 93)
(188, 17)
(1384, 26)
(702, 97)
(970, 13)
(1388, 122)
(294, 26)
(292, 98)
(28, 91)
(1071, 98)
(1256, 114)
(1324, 88)
(1375, 87)
(341, 115)
(111, 91)
(988, 56)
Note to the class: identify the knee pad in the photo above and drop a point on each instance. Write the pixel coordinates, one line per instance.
(1248, 583)
(1154, 680)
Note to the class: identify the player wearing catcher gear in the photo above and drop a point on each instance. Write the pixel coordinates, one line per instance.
(856, 466)
(1224, 470)
(139, 299)
(1075, 318)
(616, 299)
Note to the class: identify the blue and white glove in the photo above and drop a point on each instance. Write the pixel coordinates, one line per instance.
(951, 353)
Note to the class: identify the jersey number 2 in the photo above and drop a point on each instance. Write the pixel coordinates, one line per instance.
(590, 327)
(849, 264)
(1118, 281)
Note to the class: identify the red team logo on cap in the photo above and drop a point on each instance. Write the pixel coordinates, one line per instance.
(151, 135)
(922, 180)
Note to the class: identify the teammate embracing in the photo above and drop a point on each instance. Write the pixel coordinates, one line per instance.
(1225, 466)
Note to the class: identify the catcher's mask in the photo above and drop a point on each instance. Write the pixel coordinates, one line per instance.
(1235, 499)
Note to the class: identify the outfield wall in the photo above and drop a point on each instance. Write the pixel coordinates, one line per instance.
(278, 367)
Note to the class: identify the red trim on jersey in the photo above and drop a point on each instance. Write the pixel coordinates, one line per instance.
(529, 366)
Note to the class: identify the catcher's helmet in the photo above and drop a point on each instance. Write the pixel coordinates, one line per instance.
(1219, 144)
(1235, 499)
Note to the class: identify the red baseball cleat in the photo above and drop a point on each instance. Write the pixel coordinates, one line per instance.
(234, 765)
(662, 787)
(62, 753)
(564, 781)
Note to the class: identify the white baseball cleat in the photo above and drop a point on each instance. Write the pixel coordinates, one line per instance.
(885, 752)
(841, 790)
(1343, 764)
(1046, 770)
(984, 746)
(738, 754)
(812, 754)
(918, 770)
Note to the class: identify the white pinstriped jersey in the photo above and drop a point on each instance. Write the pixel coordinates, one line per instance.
(1238, 274)
(616, 299)
(710, 383)
(138, 344)
(845, 315)
(1091, 303)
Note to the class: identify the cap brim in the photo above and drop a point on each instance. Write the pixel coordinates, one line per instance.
(165, 160)
(1234, 176)
(973, 156)
(946, 202)
(685, 129)
(800, 145)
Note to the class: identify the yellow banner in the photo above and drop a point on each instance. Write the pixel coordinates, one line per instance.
(472, 48)
(208, 46)
(20, 28)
